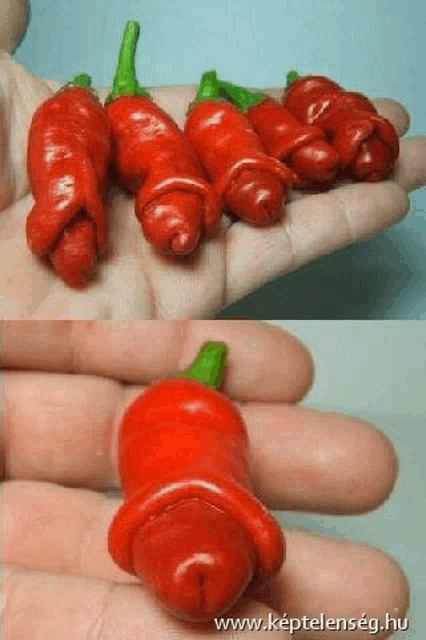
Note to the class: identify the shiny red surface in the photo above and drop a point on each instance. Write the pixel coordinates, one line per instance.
(252, 184)
(190, 527)
(302, 147)
(367, 143)
(174, 201)
(69, 152)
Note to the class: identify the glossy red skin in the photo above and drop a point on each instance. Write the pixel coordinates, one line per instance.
(303, 148)
(174, 202)
(252, 184)
(367, 143)
(69, 150)
(184, 472)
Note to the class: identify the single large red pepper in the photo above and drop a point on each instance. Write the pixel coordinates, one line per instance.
(69, 151)
(174, 202)
(367, 143)
(190, 527)
(301, 147)
(252, 184)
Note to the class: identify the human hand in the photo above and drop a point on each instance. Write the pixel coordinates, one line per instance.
(135, 282)
(66, 387)
(14, 17)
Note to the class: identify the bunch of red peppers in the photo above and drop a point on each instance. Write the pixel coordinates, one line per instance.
(240, 151)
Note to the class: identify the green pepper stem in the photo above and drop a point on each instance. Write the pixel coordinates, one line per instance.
(208, 88)
(243, 98)
(209, 366)
(292, 76)
(125, 82)
(80, 80)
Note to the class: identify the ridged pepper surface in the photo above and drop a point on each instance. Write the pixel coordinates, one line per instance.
(174, 201)
(250, 183)
(190, 527)
(303, 148)
(367, 143)
(69, 151)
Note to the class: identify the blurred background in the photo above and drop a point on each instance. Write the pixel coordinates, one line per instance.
(374, 46)
(376, 370)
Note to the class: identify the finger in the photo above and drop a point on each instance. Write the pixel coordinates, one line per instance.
(70, 420)
(318, 461)
(83, 609)
(14, 17)
(23, 92)
(6, 186)
(65, 430)
(337, 577)
(411, 168)
(264, 362)
(395, 113)
(312, 227)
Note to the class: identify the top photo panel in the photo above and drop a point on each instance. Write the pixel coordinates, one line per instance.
(258, 160)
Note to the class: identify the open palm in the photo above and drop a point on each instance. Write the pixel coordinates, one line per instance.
(66, 387)
(136, 282)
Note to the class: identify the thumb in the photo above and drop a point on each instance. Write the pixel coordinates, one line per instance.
(22, 94)
(14, 19)
(313, 226)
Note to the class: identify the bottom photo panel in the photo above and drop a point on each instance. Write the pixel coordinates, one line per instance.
(202, 479)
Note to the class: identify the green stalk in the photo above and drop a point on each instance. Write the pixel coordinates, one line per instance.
(292, 76)
(243, 98)
(209, 86)
(209, 366)
(80, 80)
(125, 82)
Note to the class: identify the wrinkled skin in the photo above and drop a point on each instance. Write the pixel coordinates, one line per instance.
(135, 282)
(60, 458)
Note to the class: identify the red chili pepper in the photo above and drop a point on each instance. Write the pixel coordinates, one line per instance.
(190, 528)
(367, 143)
(69, 150)
(252, 184)
(303, 148)
(174, 202)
